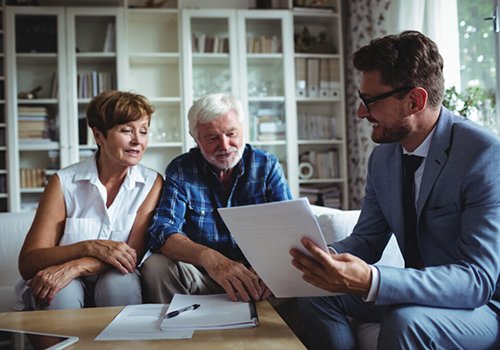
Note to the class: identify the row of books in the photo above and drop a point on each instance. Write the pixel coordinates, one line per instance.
(315, 164)
(33, 123)
(316, 126)
(93, 83)
(210, 44)
(317, 77)
(327, 196)
(32, 178)
(263, 44)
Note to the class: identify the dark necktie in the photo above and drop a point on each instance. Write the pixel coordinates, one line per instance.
(412, 253)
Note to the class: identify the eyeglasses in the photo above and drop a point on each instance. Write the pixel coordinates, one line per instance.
(367, 101)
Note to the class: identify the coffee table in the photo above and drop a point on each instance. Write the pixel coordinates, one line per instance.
(272, 332)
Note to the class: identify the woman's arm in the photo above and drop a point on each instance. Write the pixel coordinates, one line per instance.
(138, 234)
(41, 250)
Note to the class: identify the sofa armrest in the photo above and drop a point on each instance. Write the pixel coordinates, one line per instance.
(338, 224)
(14, 226)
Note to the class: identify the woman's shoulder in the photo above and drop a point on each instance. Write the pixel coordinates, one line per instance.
(150, 175)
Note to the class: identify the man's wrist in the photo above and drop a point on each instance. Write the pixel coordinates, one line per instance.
(373, 291)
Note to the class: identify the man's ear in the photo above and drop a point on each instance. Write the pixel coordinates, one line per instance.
(418, 99)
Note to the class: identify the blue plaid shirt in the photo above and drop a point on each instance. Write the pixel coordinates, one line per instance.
(192, 193)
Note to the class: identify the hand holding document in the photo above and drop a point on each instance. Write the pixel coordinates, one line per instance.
(214, 312)
(265, 234)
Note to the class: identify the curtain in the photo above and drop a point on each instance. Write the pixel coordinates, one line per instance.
(366, 20)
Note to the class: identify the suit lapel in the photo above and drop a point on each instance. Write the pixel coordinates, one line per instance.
(395, 186)
(436, 158)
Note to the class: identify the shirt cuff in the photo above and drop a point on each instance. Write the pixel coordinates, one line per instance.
(332, 250)
(372, 293)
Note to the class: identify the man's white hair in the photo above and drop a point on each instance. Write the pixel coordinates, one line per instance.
(210, 107)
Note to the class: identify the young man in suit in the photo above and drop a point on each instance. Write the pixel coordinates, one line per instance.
(447, 222)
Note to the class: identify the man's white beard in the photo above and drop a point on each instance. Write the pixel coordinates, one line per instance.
(212, 159)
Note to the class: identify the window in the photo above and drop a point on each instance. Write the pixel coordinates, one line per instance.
(478, 62)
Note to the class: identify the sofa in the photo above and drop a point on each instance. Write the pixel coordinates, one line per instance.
(335, 225)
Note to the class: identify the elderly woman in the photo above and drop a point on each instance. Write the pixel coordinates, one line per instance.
(89, 231)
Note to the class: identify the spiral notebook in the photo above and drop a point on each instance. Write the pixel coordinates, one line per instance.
(216, 311)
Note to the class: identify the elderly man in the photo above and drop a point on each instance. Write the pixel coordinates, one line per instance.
(195, 251)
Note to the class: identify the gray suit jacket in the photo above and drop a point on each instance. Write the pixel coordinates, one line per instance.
(458, 219)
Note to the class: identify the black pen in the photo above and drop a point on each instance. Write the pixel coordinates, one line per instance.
(184, 309)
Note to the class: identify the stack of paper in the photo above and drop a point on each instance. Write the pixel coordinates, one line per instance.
(215, 312)
(266, 233)
(141, 322)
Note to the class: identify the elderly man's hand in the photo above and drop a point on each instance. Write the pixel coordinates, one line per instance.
(338, 273)
(238, 281)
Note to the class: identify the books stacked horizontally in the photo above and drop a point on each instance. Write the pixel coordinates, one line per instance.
(33, 124)
(327, 196)
(269, 125)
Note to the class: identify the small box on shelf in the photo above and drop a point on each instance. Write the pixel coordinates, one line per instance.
(268, 125)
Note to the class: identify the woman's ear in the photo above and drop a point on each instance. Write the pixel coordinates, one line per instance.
(98, 136)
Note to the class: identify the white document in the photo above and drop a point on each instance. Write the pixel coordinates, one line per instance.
(141, 322)
(265, 234)
(216, 311)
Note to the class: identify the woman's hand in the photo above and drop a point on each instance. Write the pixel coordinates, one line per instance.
(49, 281)
(117, 254)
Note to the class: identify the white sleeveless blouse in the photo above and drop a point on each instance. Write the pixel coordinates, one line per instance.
(85, 198)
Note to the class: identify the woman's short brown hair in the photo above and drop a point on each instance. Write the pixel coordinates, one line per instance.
(113, 107)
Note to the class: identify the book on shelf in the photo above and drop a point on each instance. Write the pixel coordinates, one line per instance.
(324, 78)
(312, 77)
(316, 126)
(54, 85)
(300, 77)
(334, 77)
(32, 111)
(314, 9)
(32, 178)
(325, 163)
(93, 83)
(325, 195)
(109, 40)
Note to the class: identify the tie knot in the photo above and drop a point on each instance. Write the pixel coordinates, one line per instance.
(411, 162)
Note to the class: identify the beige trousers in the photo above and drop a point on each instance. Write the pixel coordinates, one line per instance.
(162, 277)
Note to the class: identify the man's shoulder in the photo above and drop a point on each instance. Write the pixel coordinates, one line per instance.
(470, 132)
(258, 154)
